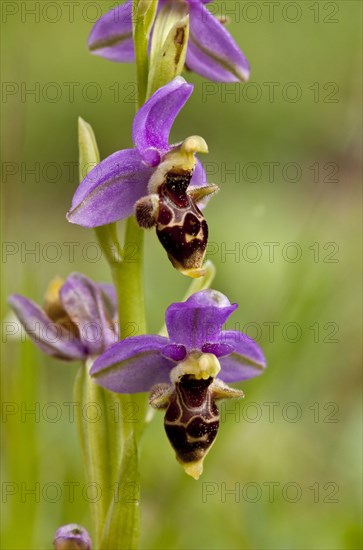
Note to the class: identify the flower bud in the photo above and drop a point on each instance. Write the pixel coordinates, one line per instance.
(169, 45)
(72, 537)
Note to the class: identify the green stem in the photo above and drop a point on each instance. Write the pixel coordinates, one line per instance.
(142, 64)
(121, 525)
(144, 12)
(99, 443)
(127, 278)
(110, 449)
(107, 238)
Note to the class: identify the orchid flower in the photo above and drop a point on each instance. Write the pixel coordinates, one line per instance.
(212, 52)
(78, 319)
(186, 372)
(161, 183)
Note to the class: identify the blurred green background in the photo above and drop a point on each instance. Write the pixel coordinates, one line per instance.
(291, 451)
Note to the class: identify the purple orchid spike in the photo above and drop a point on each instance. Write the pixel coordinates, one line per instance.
(72, 537)
(163, 183)
(212, 52)
(186, 372)
(78, 319)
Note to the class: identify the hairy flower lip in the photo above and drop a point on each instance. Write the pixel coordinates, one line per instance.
(192, 417)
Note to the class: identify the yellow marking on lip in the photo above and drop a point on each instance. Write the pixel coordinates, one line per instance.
(194, 272)
(193, 469)
(52, 292)
(189, 238)
(200, 365)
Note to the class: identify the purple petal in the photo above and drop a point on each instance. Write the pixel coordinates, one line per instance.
(163, 2)
(153, 122)
(52, 338)
(175, 352)
(108, 193)
(111, 35)
(212, 52)
(133, 365)
(199, 320)
(109, 299)
(219, 350)
(246, 361)
(199, 179)
(110, 293)
(83, 301)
